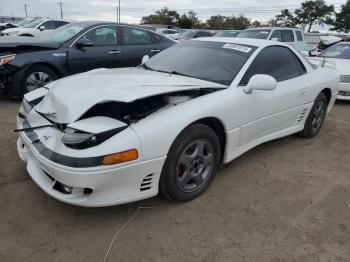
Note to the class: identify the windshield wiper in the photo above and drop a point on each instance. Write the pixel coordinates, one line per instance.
(178, 73)
(147, 67)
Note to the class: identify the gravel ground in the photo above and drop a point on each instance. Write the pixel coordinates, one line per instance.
(286, 200)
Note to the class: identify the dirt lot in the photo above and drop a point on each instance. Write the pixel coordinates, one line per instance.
(287, 200)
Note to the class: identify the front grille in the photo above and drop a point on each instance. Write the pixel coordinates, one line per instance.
(343, 93)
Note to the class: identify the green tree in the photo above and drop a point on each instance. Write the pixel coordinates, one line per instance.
(238, 23)
(163, 16)
(217, 22)
(313, 12)
(285, 18)
(256, 23)
(342, 19)
(189, 20)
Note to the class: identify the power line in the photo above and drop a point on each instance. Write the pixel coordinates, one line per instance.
(61, 5)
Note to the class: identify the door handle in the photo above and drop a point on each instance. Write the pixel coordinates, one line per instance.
(114, 52)
(155, 50)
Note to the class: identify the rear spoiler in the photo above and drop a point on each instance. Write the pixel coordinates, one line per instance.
(318, 62)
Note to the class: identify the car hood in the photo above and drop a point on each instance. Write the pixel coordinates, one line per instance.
(69, 98)
(18, 41)
(342, 65)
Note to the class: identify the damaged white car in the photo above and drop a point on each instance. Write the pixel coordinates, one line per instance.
(112, 136)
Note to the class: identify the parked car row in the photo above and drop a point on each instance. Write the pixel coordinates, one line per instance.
(35, 28)
(28, 63)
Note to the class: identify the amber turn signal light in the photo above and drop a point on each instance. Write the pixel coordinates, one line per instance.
(121, 157)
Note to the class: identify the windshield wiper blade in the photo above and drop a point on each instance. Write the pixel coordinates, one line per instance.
(178, 73)
(147, 67)
(33, 128)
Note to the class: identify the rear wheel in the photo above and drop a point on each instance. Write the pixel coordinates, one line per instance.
(191, 163)
(37, 76)
(316, 117)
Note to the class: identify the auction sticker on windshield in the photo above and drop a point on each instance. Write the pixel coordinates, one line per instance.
(236, 47)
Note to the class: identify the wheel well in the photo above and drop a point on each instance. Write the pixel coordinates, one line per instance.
(47, 65)
(27, 35)
(328, 93)
(218, 128)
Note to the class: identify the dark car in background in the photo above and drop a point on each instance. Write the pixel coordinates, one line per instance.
(28, 63)
(227, 33)
(190, 34)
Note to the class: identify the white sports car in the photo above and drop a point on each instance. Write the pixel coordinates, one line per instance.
(339, 54)
(112, 136)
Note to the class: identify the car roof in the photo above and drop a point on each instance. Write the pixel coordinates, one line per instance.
(243, 41)
(274, 27)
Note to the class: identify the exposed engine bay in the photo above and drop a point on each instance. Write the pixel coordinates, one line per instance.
(133, 112)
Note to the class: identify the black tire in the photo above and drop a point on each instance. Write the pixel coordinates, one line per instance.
(196, 135)
(33, 70)
(315, 119)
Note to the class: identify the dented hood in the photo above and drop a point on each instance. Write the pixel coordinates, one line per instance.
(70, 97)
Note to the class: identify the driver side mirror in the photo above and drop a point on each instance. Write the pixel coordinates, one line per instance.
(275, 39)
(42, 28)
(144, 59)
(260, 82)
(83, 43)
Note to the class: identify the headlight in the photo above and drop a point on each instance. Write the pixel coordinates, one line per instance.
(26, 106)
(81, 140)
(6, 59)
(345, 78)
(76, 139)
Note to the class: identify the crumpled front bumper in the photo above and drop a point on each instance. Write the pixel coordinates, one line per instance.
(91, 186)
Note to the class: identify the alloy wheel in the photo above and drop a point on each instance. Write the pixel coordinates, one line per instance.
(195, 165)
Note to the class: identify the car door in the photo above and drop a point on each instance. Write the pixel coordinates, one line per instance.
(276, 35)
(269, 112)
(48, 26)
(105, 51)
(288, 37)
(137, 43)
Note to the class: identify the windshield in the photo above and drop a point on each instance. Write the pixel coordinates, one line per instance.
(226, 34)
(34, 23)
(210, 61)
(22, 22)
(257, 34)
(188, 34)
(64, 33)
(341, 50)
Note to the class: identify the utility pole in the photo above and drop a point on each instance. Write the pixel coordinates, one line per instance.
(61, 4)
(25, 10)
(119, 12)
(117, 9)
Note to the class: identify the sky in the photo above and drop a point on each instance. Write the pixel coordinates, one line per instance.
(133, 10)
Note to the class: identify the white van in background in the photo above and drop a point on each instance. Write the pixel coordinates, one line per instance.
(290, 35)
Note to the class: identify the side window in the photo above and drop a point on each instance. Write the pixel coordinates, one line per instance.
(60, 23)
(206, 34)
(299, 36)
(49, 25)
(104, 35)
(276, 61)
(277, 35)
(287, 36)
(135, 36)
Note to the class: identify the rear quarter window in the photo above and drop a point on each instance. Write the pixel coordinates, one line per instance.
(299, 36)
